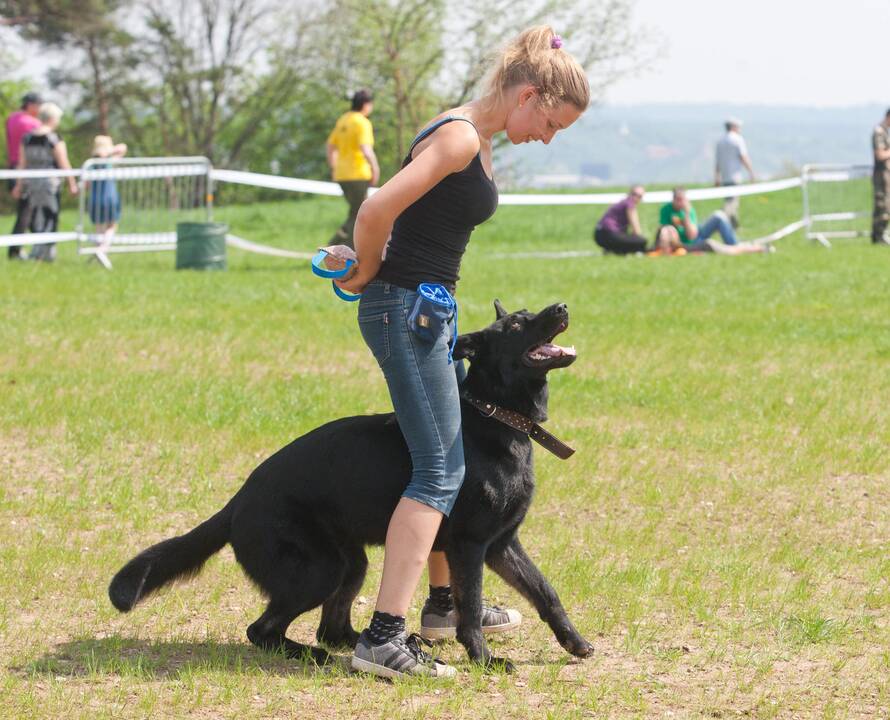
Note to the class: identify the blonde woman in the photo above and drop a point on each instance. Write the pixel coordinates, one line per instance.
(428, 210)
(43, 149)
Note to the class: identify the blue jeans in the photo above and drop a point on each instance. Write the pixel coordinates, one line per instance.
(718, 222)
(424, 391)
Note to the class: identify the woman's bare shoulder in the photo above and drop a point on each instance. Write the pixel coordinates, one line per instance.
(457, 139)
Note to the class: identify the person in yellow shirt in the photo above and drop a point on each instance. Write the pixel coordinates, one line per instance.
(354, 167)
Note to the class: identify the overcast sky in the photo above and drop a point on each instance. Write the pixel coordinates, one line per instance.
(797, 52)
(790, 52)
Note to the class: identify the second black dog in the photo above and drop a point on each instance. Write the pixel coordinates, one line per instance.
(300, 524)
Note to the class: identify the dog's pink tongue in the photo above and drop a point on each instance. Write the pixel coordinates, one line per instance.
(551, 350)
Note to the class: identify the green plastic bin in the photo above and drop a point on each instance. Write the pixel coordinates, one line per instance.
(201, 246)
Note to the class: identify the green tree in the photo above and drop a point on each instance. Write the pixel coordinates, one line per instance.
(213, 75)
(89, 27)
(423, 57)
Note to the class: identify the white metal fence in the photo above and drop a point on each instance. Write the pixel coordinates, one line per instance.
(827, 199)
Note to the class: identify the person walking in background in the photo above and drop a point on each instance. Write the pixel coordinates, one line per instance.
(19, 124)
(880, 143)
(732, 156)
(104, 199)
(43, 149)
(350, 151)
(611, 231)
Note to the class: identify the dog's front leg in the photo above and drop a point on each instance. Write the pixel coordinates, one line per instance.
(466, 561)
(510, 561)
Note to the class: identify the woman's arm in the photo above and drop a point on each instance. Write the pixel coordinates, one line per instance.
(332, 155)
(20, 165)
(452, 148)
(690, 224)
(371, 157)
(60, 153)
(633, 218)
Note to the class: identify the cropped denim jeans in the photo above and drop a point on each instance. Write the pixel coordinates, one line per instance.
(424, 391)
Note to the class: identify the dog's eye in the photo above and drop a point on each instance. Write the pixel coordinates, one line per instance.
(516, 326)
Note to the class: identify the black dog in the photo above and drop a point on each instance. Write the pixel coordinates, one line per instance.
(300, 524)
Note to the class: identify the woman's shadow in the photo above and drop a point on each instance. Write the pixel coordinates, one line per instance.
(135, 657)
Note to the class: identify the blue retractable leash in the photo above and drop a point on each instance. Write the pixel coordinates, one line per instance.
(431, 313)
(319, 269)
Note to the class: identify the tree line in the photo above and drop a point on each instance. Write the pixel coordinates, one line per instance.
(257, 84)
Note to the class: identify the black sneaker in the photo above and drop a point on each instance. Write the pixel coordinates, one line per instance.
(399, 657)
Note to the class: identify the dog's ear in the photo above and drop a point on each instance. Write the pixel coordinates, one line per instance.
(467, 346)
(499, 310)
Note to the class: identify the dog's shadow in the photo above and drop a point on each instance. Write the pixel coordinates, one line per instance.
(138, 658)
(147, 659)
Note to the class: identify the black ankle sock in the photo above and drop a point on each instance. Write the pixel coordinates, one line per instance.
(440, 598)
(384, 627)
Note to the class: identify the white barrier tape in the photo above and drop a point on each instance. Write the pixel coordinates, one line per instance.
(318, 187)
(658, 196)
(837, 176)
(783, 232)
(36, 238)
(156, 238)
(133, 172)
(47, 173)
(138, 172)
(242, 244)
(276, 182)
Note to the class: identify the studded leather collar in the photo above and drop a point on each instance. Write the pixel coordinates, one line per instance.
(523, 425)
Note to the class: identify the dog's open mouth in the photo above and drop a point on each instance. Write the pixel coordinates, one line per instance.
(548, 353)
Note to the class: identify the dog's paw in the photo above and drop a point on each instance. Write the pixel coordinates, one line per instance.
(317, 656)
(579, 647)
(499, 665)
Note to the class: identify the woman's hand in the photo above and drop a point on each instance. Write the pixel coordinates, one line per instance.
(355, 281)
(337, 255)
(17, 191)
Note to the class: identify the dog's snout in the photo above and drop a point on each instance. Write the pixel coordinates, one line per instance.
(562, 309)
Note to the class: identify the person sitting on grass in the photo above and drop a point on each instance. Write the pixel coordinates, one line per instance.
(611, 231)
(679, 230)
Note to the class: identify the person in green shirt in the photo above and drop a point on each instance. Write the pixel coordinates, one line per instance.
(678, 219)
(679, 228)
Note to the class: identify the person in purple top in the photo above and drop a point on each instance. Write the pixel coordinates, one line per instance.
(611, 232)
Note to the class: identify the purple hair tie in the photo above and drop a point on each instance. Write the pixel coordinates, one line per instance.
(556, 42)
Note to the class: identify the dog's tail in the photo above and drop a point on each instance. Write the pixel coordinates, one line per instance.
(169, 560)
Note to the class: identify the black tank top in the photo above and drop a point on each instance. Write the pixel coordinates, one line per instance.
(429, 237)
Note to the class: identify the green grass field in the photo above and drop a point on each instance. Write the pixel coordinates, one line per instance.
(722, 535)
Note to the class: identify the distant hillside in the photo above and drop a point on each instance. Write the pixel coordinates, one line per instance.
(675, 143)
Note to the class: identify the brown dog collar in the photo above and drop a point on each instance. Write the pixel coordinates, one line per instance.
(523, 425)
